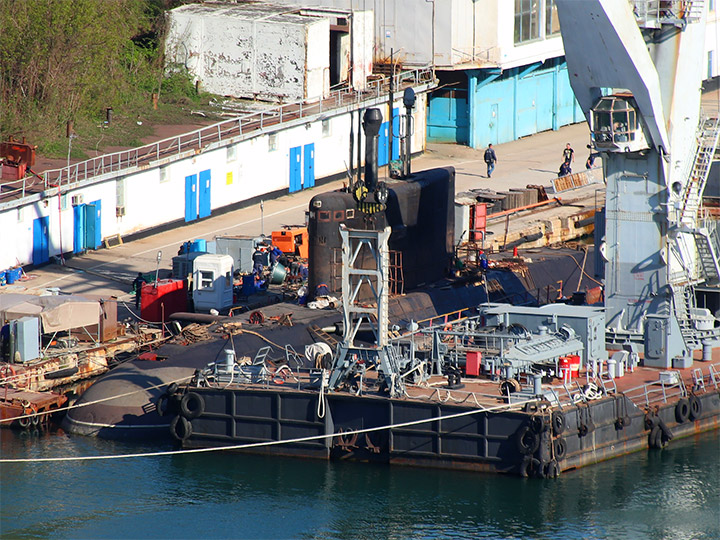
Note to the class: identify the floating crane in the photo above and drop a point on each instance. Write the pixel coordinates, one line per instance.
(636, 72)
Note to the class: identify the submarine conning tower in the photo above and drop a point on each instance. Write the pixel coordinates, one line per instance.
(419, 210)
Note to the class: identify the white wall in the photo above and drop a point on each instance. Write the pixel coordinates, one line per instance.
(156, 195)
(251, 52)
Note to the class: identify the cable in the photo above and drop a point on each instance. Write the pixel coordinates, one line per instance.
(77, 406)
(583, 271)
(266, 443)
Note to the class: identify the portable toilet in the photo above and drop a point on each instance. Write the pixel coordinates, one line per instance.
(212, 282)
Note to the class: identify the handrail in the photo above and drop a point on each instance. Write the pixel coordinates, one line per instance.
(196, 140)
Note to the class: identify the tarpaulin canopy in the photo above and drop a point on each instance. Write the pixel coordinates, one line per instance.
(56, 313)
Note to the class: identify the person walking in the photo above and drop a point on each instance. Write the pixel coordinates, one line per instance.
(137, 287)
(490, 159)
(568, 157)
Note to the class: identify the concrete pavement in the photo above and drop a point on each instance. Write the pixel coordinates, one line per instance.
(531, 160)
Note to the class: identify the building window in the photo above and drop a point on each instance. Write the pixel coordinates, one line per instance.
(272, 142)
(164, 174)
(64, 201)
(710, 64)
(326, 128)
(552, 23)
(120, 192)
(20, 214)
(527, 15)
(231, 153)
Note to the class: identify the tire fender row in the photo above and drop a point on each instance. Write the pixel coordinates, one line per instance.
(541, 446)
(183, 406)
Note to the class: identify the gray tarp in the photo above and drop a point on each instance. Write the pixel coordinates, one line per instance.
(56, 313)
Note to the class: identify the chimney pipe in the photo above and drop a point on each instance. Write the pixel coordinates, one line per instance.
(371, 125)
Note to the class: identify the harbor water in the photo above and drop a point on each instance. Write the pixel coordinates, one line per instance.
(668, 494)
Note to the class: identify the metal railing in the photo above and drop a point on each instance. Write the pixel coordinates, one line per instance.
(245, 124)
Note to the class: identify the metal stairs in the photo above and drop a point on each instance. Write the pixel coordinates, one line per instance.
(655, 13)
(684, 305)
(707, 140)
(708, 256)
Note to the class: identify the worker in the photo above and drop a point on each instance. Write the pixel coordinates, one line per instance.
(275, 254)
(137, 287)
(258, 259)
(5, 341)
(568, 157)
(490, 160)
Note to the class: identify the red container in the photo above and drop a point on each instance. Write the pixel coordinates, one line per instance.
(473, 360)
(570, 362)
(161, 299)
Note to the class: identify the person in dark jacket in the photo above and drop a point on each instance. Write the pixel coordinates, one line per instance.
(490, 159)
(258, 259)
(137, 287)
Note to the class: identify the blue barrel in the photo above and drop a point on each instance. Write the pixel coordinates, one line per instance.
(199, 245)
(13, 274)
(248, 285)
(2, 278)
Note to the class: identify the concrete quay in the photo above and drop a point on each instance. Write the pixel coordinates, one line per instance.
(531, 160)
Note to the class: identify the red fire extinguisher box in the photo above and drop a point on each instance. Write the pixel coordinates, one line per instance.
(473, 363)
(161, 299)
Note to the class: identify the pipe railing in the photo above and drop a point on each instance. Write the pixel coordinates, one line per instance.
(241, 125)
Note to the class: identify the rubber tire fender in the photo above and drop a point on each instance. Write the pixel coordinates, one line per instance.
(682, 411)
(582, 430)
(695, 408)
(171, 389)
(527, 440)
(162, 405)
(180, 428)
(552, 469)
(558, 422)
(559, 448)
(655, 438)
(525, 465)
(192, 405)
(538, 423)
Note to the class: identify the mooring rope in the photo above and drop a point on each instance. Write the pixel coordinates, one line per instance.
(265, 443)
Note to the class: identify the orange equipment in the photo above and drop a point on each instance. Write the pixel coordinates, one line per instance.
(15, 158)
(292, 241)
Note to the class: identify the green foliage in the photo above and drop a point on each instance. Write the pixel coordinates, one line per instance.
(68, 60)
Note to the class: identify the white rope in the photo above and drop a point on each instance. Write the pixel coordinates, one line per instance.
(79, 405)
(262, 444)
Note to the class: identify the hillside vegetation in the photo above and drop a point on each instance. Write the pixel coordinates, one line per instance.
(68, 61)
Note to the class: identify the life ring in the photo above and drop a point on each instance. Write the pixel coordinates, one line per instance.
(180, 428)
(192, 405)
(560, 449)
(551, 469)
(558, 422)
(527, 440)
(695, 408)
(682, 411)
(4, 370)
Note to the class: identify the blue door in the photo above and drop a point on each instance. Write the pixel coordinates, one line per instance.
(309, 166)
(204, 193)
(295, 170)
(396, 134)
(79, 228)
(383, 143)
(191, 212)
(41, 240)
(93, 232)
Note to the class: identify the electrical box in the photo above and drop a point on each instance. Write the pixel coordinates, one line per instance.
(26, 336)
(212, 282)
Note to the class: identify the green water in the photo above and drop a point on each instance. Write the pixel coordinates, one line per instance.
(668, 494)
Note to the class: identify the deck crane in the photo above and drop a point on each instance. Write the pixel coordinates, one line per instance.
(635, 67)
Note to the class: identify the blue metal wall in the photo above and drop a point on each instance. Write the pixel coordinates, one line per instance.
(496, 107)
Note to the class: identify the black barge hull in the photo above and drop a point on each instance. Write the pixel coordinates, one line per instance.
(535, 441)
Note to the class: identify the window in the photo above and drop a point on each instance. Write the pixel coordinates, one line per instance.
(527, 15)
(164, 174)
(272, 142)
(231, 154)
(206, 280)
(326, 128)
(710, 64)
(120, 192)
(64, 201)
(552, 23)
